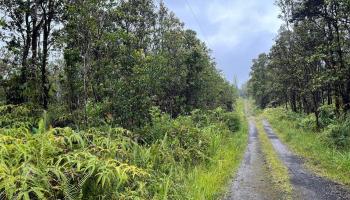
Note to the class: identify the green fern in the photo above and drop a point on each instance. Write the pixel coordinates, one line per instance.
(105, 163)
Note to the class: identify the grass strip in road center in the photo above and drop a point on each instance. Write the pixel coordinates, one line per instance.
(279, 172)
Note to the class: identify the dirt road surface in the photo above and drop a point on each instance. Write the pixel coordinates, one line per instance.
(306, 185)
(252, 181)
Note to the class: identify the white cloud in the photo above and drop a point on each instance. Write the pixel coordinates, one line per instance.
(235, 20)
(236, 30)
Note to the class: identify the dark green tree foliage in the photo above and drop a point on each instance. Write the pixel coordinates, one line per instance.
(258, 82)
(121, 58)
(28, 28)
(309, 64)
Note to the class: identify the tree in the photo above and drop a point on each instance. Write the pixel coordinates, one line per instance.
(26, 23)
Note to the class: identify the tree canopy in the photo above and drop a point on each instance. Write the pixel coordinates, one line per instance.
(309, 64)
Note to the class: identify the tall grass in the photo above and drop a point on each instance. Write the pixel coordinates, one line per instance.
(320, 156)
(210, 181)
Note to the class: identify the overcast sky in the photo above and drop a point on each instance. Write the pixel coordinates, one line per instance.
(236, 30)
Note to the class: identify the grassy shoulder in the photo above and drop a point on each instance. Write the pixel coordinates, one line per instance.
(210, 181)
(321, 158)
(279, 172)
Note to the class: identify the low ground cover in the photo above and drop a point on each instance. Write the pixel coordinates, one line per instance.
(166, 159)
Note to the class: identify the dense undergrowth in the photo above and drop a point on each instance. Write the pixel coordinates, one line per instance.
(210, 181)
(327, 150)
(163, 160)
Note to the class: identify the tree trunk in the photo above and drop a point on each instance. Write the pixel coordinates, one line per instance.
(346, 97)
(316, 101)
(47, 17)
(293, 102)
(35, 35)
(25, 54)
(329, 95)
(44, 80)
(85, 92)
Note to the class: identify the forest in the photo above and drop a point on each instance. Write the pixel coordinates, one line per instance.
(107, 60)
(111, 100)
(308, 68)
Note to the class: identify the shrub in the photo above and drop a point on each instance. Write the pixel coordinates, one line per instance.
(62, 163)
(338, 134)
(106, 162)
(307, 123)
(60, 116)
(18, 116)
(232, 121)
(327, 115)
(205, 118)
(284, 114)
(187, 141)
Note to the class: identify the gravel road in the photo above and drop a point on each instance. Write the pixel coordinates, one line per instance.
(252, 181)
(306, 185)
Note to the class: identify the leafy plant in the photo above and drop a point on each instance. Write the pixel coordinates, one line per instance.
(105, 162)
(338, 134)
(327, 115)
(307, 122)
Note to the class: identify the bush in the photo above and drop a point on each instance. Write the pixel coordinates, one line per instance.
(60, 117)
(338, 134)
(283, 114)
(232, 121)
(307, 123)
(18, 116)
(62, 163)
(113, 163)
(327, 115)
(205, 118)
(187, 141)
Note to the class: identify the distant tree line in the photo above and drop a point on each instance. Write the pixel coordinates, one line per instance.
(112, 60)
(309, 64)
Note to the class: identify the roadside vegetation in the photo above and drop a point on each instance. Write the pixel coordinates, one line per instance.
(279, 172)
(166, 159)
(210, 181)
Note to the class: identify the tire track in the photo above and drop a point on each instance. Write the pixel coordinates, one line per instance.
(306, 185)
(253, 181)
